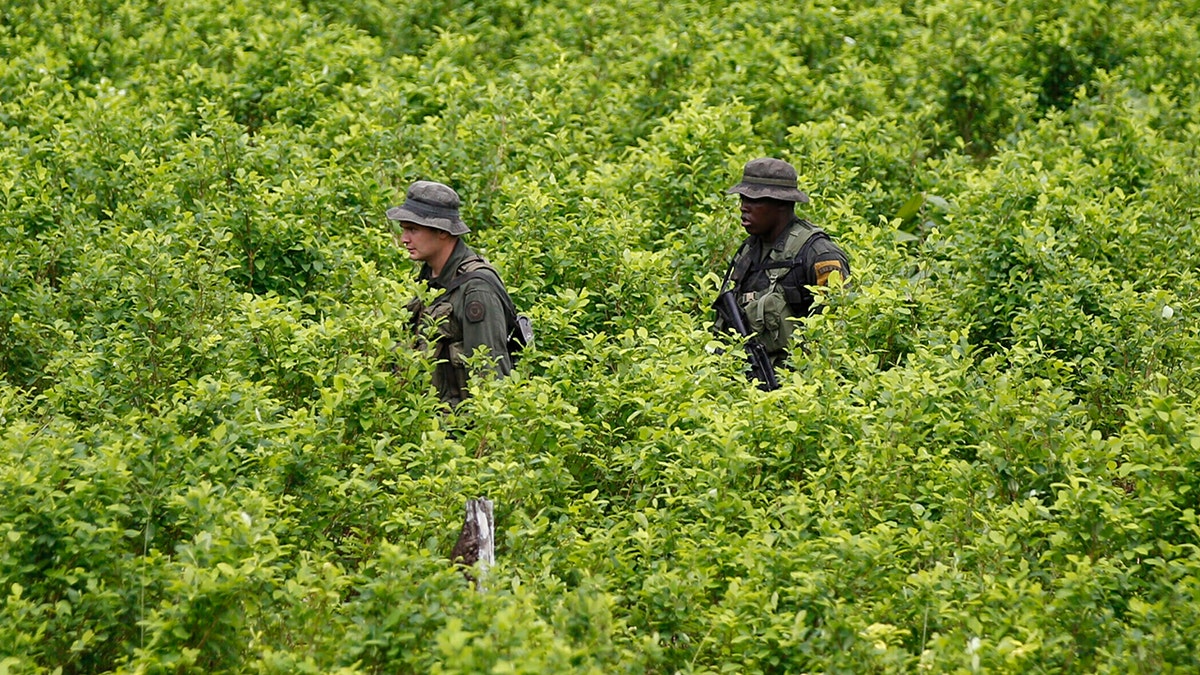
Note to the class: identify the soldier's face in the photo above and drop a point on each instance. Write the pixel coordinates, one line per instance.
(764, 217)
(422, 243)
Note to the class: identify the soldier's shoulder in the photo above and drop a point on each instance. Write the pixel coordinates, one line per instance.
(474, 264)
(478, 267)
(826, 245)
(485, 282)
(798, 236)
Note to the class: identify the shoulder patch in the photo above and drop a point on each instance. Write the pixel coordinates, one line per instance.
(823, 269)
(475, 311)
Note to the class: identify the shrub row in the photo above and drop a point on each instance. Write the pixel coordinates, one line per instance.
(218, 452)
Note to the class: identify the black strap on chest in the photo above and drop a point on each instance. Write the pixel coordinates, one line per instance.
(768, 264)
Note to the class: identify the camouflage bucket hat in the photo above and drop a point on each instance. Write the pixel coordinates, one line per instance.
(432, 205)
(767, 177)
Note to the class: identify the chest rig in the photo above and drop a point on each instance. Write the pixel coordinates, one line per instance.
(770, 290)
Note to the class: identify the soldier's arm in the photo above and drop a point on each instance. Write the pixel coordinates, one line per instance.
(826, 259)
(484, 324)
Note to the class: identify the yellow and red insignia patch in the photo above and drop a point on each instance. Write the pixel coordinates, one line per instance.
(823, 269)
(476, 311)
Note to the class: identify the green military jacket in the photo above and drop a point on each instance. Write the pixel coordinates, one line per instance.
(770, 281)
(469, 317)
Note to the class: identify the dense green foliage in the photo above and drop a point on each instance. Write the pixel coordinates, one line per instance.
(218, 452)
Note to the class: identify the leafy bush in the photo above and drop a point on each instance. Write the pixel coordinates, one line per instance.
(220, 452)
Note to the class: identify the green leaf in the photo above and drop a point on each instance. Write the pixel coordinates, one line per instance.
(911, 207)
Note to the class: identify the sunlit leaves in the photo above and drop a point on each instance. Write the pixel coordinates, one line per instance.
(220, 451)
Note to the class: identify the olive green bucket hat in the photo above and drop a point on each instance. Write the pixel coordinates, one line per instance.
(767, 177)
(433, 205)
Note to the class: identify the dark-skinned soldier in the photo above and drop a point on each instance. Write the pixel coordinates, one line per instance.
(781, 257)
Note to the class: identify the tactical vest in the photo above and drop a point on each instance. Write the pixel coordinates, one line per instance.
(771, 291)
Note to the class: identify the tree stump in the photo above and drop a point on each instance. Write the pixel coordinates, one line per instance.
(476, 543)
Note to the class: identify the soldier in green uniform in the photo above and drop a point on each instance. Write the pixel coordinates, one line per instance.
(473, 310)
(783, 255)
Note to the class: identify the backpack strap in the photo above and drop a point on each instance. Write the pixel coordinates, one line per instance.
(478, 268)
(467, 270)
(792, 262)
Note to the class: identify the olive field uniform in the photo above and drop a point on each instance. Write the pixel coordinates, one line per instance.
(769, 282)
(473, 311)
(470, 316)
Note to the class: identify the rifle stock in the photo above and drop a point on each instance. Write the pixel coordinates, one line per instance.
(761, 367)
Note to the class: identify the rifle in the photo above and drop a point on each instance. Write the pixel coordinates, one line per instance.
(761, 367)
